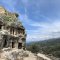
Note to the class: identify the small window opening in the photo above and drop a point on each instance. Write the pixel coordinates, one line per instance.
(13, 45)
(5, 43)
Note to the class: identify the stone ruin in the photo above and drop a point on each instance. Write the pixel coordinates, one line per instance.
(12, 32)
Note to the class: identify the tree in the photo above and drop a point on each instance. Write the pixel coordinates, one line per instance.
(34, 48)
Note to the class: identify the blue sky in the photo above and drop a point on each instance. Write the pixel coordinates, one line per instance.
(41, 18)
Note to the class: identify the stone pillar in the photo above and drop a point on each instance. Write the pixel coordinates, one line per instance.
(2, 28)
(9, 30)
(15, 32)
(12, 31)
(1, 44)
(23, 45)
(10, 43)
(16, 45)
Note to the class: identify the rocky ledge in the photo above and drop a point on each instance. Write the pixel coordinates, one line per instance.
(12, 54)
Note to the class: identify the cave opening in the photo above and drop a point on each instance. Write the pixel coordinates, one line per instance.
(19, 45)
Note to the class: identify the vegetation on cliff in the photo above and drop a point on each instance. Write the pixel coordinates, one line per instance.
(10, 19)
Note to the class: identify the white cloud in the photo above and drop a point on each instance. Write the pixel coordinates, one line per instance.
(45, 31)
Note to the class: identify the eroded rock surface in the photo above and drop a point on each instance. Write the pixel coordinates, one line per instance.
(20, 54)
(12, 54)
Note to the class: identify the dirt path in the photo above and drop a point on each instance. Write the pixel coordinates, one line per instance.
(43, 56)
(30, 57)
(38, 57)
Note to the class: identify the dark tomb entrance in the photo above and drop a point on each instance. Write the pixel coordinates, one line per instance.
(13, 44)
(5, 43)
(0, 26)
(19, 45)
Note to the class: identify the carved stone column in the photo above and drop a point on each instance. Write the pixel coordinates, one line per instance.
(16, 45)
(10, 43)
(2, 28)
(9, 30)
(15, 32)
(1, 44)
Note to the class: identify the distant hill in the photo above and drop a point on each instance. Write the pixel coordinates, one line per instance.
(50, 47)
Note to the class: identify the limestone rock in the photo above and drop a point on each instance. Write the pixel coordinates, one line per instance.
(12, 54)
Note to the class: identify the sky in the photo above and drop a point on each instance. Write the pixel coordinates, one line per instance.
(41, 18)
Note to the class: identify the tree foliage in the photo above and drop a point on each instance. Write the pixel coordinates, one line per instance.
(51, 46)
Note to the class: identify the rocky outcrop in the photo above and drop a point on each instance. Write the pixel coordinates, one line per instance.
(12, 54)
(16, 54)
(12, 32)
(20, 54)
